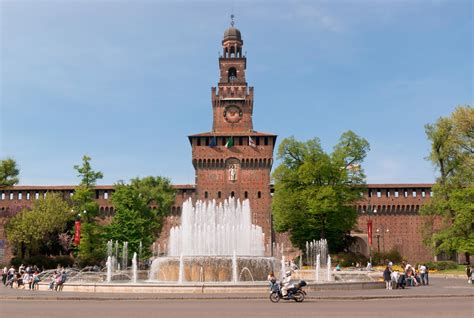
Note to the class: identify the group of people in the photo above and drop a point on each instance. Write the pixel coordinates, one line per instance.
(411, 276)
(28, 277)
(24, 276)
(58, 279)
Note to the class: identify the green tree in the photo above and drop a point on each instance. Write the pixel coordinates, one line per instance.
(315, 191)
(8, 172)
(452, 149)
(91, 249)
(135, 220)
(29, 229)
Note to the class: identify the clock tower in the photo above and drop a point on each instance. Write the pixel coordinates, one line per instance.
(233, 160)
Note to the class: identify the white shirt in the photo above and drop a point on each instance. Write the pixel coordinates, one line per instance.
(422, 269)
(394, 276)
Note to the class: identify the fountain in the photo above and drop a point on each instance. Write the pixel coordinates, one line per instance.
(109, 269)
(214, 243)
(318, 266)
(329, 277)
(134, 268)
(317, 255)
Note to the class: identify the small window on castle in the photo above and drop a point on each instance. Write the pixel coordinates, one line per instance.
(266, 141)
(3, 195)
(241, 141)
(27, 195)
(71, 193)
(37, 195)
(396, 194)
(387, 193)
(219, 194)
(11, 195)
(259, 194)
(206, 195)
(106, 195)
(246, 195)
(413, 194)
(379, 194)
(257, 141)
(20, 196)
(44, 195)
(232, 74)
(405, 194)
(198, 141)
(423, 193)
(232, 194)
(431, 193)
(370, 193)
(206, 140)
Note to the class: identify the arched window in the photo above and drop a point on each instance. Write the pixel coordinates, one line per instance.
(259, 194)
(232, 74)
(246, 195)
(206, 195)
(232, 194)
(218, 194)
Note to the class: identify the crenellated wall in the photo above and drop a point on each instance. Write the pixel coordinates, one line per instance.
(397, 211)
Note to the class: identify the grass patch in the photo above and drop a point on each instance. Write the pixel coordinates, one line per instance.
(459, 270)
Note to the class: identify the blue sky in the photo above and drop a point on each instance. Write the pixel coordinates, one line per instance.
(126, 81)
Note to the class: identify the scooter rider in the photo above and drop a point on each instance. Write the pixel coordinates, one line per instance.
(286, 283)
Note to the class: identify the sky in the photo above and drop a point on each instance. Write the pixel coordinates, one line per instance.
(126, 82)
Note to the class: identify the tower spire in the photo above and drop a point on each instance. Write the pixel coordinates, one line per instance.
(232, 22)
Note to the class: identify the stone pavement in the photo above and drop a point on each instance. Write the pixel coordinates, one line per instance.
(439, 288)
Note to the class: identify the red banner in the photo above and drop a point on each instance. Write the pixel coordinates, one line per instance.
(77, 233)
(369, 231)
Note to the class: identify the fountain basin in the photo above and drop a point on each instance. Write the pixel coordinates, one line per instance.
(212, 269)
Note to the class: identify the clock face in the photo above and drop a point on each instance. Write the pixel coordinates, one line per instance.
(232, 114)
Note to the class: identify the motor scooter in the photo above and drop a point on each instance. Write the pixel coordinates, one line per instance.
(295, 293)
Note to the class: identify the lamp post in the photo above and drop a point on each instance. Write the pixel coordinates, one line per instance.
(371, 210)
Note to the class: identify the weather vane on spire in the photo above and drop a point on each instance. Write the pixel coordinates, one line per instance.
(232, 16)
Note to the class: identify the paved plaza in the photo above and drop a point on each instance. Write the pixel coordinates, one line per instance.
(445, 297)
(419, 307)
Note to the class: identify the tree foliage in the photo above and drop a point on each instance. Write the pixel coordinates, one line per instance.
(315, 191)
(8, 172)
(134, 220)
(452, 150)
(91, 247)
(30, 228)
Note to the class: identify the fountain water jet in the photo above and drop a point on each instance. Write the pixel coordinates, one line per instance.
(329, 268)
(134, 268)
(109, 269)
(234, 268)
(318, 266)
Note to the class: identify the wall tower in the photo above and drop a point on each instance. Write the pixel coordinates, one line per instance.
(233, 160)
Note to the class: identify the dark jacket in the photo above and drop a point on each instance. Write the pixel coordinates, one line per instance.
(386, 274)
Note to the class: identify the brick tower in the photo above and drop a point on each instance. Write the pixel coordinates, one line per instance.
(233, 160)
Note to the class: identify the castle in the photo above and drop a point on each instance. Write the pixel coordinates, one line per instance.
(235, 160)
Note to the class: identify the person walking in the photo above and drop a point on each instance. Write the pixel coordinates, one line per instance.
(423, 274)
(387, 278)
(469, 273)
(4, 275)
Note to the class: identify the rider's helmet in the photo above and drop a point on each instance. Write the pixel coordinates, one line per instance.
(288, 273)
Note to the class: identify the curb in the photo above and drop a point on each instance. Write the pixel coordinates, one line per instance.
(73, 298)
